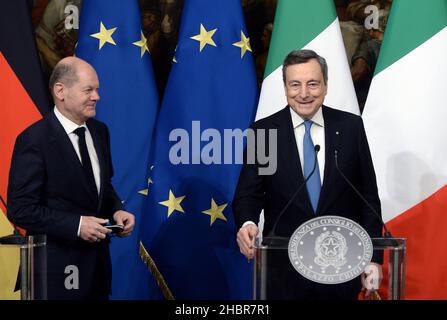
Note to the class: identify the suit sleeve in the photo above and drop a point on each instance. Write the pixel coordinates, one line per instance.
(249, 195)
(26, 206)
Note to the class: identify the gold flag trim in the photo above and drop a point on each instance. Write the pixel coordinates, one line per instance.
(149, 262)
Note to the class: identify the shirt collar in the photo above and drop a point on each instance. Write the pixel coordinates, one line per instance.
(68, 125)
(317, 118)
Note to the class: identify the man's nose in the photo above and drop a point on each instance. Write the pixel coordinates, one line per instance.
(95, 96)
(304, 92)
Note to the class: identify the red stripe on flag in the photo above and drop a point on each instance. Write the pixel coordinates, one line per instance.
(424, 226)
(18, 112)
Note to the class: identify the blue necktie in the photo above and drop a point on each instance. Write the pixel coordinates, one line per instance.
(313, 184)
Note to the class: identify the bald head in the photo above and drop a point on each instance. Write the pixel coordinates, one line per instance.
(66, 71)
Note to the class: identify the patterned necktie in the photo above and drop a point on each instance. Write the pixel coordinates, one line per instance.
(313, 184)
(85, 158)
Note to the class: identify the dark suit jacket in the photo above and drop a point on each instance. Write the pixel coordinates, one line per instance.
(271, 193)
(47, 194)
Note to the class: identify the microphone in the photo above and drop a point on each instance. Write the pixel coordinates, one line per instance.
(387, 232)
(272, 232)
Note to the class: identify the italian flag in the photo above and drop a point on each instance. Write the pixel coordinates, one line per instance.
(405, 118)
(307, 24)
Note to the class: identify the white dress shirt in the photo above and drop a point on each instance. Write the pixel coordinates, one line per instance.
(69, 127)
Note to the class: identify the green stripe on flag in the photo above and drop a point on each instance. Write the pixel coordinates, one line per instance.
(295, 26)
(409, 25)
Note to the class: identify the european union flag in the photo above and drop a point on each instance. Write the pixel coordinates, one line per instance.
(188, 232)
(111, 39)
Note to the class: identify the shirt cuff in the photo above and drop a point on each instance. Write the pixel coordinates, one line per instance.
(79, 227)
(246, 223)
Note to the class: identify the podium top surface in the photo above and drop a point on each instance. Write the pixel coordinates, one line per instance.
(23, 241)
(283, 243)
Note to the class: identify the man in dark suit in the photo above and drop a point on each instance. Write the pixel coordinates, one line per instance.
(60, 185)
(305, 123)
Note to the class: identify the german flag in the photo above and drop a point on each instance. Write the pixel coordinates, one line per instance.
(23, 100)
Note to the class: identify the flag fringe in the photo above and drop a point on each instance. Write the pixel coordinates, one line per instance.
(149, 262)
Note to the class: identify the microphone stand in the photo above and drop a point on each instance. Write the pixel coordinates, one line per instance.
(388, 239)
(271, 238)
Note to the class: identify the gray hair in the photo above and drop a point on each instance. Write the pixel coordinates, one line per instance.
(65, 73)
(303, 56)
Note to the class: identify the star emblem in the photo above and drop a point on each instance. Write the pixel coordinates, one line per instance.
(104, 35)
(215, 212)
(244, 44)
(142, 44)
(330, 247)
(173, 203)
(205, 37)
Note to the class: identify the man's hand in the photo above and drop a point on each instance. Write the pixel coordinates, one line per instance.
(125, 219)
(246, 239)
(372, 278)
(92, 229)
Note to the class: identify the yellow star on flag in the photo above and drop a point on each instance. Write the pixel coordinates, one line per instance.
(215, 212)
(244, 44)
(205, 37)
(143, 44)
(145, 192)
(173, 203)
(104, 35)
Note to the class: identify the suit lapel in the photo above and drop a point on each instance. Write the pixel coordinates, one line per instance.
(328, 187)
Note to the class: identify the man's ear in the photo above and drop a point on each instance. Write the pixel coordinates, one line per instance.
(59, 91)
(325, 89)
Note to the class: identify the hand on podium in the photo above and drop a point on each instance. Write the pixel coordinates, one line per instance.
(371, 280)
(246, 239)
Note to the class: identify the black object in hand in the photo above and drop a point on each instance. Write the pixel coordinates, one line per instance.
(116, 228)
